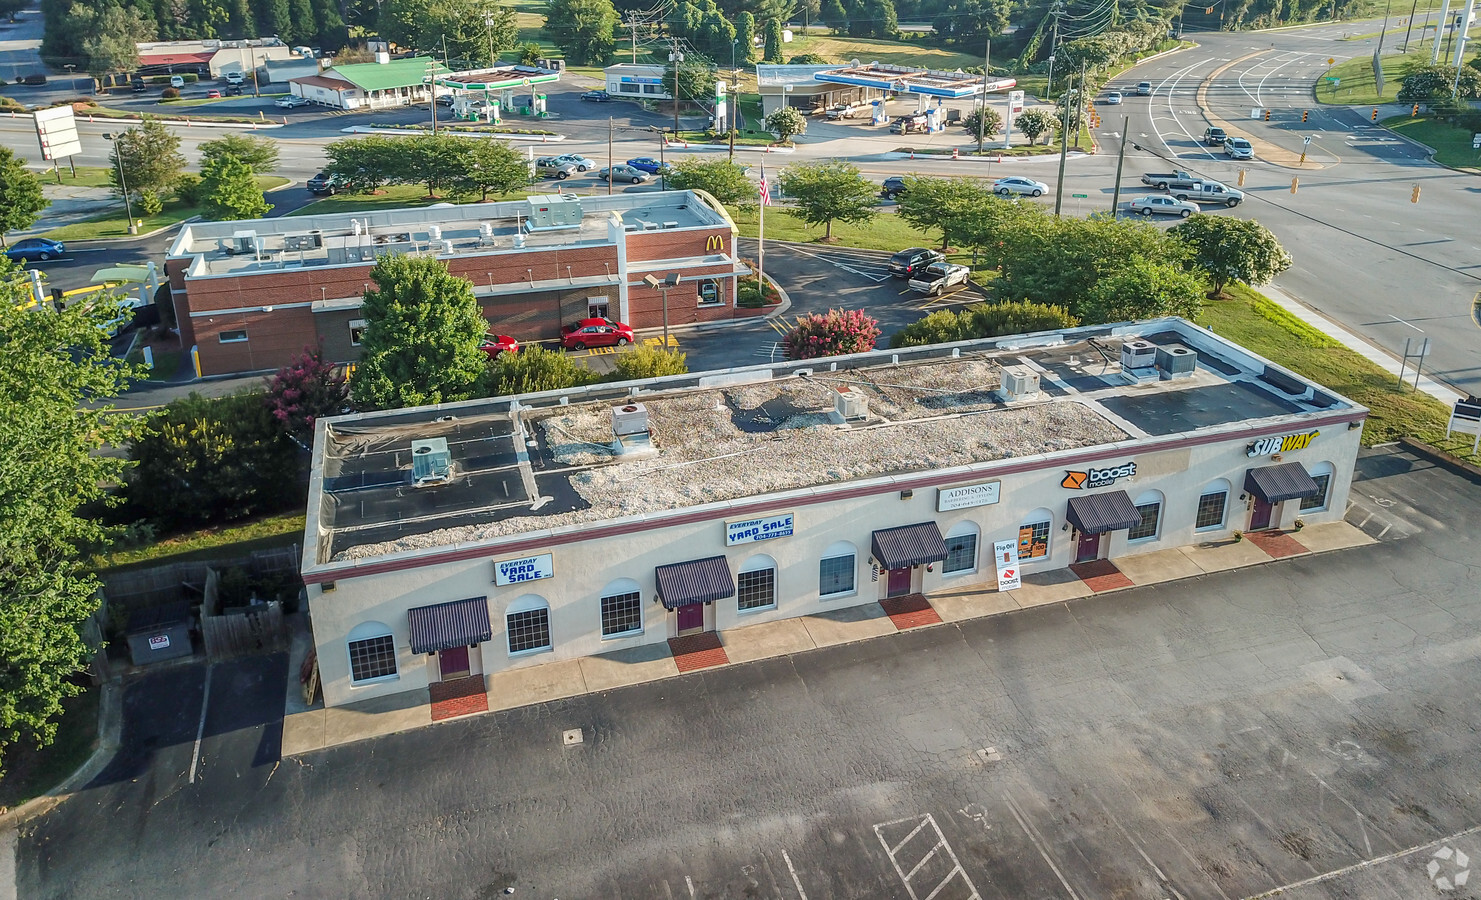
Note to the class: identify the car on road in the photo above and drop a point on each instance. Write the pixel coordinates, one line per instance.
(596, 333)
(1214, 137)
(1238, 148)
(1017, 184)
(550, 167)
(650, 165)
(445, 100)
(325, 183)
(1163, 206)
(596, 96)
(1210, 192)
(938, 276)
(213, 94)
(581, 163)
(893, 187)
(1144, 88)
(1164, 181)
(233, 90)
(908, 262)
(33, 249)
(494, 344)
(235, 78)
(177, 82)
(291, 101)
(622, 172)
(1113, 98)
(138, 85)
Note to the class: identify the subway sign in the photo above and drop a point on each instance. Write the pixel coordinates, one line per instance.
(1282, 444)
(1095, 478)
(529, 568)
(752, 530)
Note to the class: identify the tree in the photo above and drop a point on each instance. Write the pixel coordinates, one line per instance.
(467, 26)
(302, 14)
(983, 320)
(835, 334)
(330, 24)
(535, 369)
(971, 23)
(1435, 82)
(260, 154)
(150, 155)
(828, 190)
(880, 19)
(496, 167)
(1059, 261)
(276, 18)
(696, 80)
(1144, 289)
(21, 200)
(994, 228)
(364, 164)
(8, 8)
(229, 191)
(773, 52)
(1230, 249)
(1033, 122)
(649, 362)
(96, 38)
(55, 421)
(991, 125)
(724, 180)
(940, 203)
(422, 333)
(745, 38)
(528, 53)
(306, 390)
(437, 160)
(834, 16)
(583, 29)
(786, 122)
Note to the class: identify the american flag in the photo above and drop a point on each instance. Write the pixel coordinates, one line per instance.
(764, 191)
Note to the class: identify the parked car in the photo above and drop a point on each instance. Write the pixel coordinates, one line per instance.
(1214, 137)
(177, 82)
(622, 172)
(1017, 184)
(494, 344)
(550, 167)
(1144, 88)
(938, 276)
(1238, 148)
(234, 90)
(846, 110)
(907, 262)
(1113, 98)
(911, 124)
(292, 101)
(581, 163)
(1211, 192)
(893, 187)
(1163, 206)
(139, 85)
(445, 100)
(650, 165)
(213, 94)
(596, 96)
(325, 183)
(596, 333)
(235, 78)
(35, 249)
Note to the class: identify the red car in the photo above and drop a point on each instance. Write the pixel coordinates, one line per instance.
(596, 333)
(494, 344)
(213, 94)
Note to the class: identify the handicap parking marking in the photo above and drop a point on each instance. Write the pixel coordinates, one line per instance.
(917, 842)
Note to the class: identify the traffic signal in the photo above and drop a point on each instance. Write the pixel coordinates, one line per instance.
(1375, 114)
(1209, 11)
(1304, 114)
(1294, 183)
(1267, 115)
(1414, 112)
(1414, 195)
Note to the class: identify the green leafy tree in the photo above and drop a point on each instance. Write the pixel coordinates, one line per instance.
(229, 191)
(55, 421)
(528, 53)
(879, 20)
(468, 26)
(535, 369)
(496, 168)
(1230, 249)
(941, 203)
(829, 190)
(21, 200)
(583, 29)
(308, 389)
(1033, 122)
(98, 39)
(1144, 289)
(440, 161)
(695, 78)
(773, 52)
(834, 16)
(423, 328)
(8, 8)
(260, 154)
(1436, 82)
(150, 157)
(991, 119)
(301, 12)
(1060, 261)
(207, 460)
(364, 164)
(971, 23)
(150, 203)
(994, 229)
(807, 59)
(721, 178)
(277, 20)
(838, 333)
(786, 122)
(649, 362)
(330, 23)
(745, 38)
(983, 320)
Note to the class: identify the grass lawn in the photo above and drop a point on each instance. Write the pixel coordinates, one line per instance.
(230, 540)
(1356, 85)
(115, 224)
(884, 232)
(1452, 145)
(87, 176)
(29, 772)
(392, 197)
(842, 49)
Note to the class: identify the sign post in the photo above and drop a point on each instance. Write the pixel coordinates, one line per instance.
(56, 132)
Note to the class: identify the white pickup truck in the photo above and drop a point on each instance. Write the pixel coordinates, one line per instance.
(846, 110)
(1210, 192)
(938, 276)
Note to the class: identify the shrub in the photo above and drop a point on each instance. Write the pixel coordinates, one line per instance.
(983, 320)
(649, 362)
(188, 190)
(306, 390)
(170, 93)
(835, 334)
(535, 369)
(150, 203)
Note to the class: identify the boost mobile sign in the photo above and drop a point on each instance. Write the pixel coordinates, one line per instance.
(1094, 478)
(1272, 445)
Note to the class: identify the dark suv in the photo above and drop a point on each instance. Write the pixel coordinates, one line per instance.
(325, 183)
(893, 187)
(908, 262)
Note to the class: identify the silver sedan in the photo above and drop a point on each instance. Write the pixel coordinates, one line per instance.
(1017, 184)
(1164, 206)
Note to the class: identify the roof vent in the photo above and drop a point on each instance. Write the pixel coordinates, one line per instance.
(851, 404)
(434, 232)
(1019, 383)
(1176, 361)
(431, 462)
(393, 237)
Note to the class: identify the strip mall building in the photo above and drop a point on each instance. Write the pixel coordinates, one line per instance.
(450, 542)
(250, 295)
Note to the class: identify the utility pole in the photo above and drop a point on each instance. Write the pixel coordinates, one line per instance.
(488, 22)
(1409, 27)
(610, 174)
(1079, 106)
(1388, 8)
(1053, 41)
(1120, 158)
(675, 57)
(632, 22)
(1064, 148)
(432, 92)
(982, 111)
(733, 108)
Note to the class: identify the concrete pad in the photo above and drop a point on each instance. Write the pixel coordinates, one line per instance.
(958, 605)
(1224, 555)
(536, 684)
(1042, 591)
(766, 639)
(842, 626)
(1158, 566)
(1331, 536)
(303, 732)
(624, 667)
(380, 716)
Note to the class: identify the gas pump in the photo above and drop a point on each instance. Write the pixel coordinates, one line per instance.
(537, 106)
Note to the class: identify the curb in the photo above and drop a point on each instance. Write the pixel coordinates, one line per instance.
(413, 132)
(1442, 458)
(110, 733)
(749, 148)
(182, 123)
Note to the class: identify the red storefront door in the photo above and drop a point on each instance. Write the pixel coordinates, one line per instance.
(453, 662)
(691, 617)
(899, 582)
(1260, 518)
(1088, 548)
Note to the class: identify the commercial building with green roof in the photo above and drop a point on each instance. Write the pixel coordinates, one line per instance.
(386, 82)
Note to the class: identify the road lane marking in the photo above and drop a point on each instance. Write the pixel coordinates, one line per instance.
(795, 880)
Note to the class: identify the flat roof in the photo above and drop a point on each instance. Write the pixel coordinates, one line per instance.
(908, 80)
(545, 463)
(497, 79)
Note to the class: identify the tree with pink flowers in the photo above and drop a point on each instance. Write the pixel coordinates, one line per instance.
(835, 334)
(307, 389)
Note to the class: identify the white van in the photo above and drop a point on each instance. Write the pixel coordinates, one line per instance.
(235, 78)
(177, 82)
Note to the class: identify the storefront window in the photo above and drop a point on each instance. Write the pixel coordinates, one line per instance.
(836, 570)
(1033, 536)
(1322, 475)
(622, 610)
(755, 584)
(961, 550)
(1150, 506)
(357, 332)
(372, 653)
(709, 292)
(528, 624)
(1211, 506)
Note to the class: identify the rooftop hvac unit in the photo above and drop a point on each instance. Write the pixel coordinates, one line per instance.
(1176, 361)
(246, 242)
(311, 241)
(852, 404)
(670, 224)
(1019, 383)
(485, 233)
(393, 237)
(434, 232)
(1138, 354)
(551, 211)
(431, 462)
(629, 419)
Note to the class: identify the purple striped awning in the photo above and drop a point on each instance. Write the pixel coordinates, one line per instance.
(909, 545)
(461, 623)
(1099, 513)
(1284, 481)
(696, 581)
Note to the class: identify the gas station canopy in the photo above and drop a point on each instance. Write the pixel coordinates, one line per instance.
(906, 80)
(499, 79)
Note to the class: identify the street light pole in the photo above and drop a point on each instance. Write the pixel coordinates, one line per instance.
(122, 184)
(1064, 149)
(730, 122)
(982, 111)
(1120, 158)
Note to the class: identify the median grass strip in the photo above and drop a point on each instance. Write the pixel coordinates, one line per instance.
(1452, 144)
(115, 223)
(237, 539)
(1356, 86)
(29, 772)
(87, 176)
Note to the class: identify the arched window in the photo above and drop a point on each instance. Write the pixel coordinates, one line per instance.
(528, 622)
(1033, 535)
(1212, 504)
(1150, 506)
(1321, 473)
(372, 652)
(622, 608)
(755, 583)
(836, 570)
(961, 549)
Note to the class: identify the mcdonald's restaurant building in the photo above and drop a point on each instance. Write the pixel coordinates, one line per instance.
(250, 295)
(447, 543)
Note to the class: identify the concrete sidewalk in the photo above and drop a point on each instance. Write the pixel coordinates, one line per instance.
(307, 730)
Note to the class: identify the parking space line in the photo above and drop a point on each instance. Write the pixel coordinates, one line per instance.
(795, 880)
(941, 845)
(200, 730)
(1364, 864)
(1038, 843)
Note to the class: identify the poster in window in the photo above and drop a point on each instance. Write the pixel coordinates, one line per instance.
(709, 291)
(1028, 546)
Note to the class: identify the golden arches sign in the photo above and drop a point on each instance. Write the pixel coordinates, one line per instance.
(715, 242)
